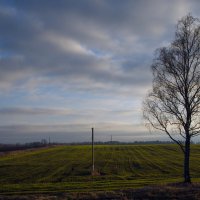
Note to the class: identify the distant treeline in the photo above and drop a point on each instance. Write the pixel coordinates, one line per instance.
(119, 142)
(125, 143)
(44, 143)
(15, 147)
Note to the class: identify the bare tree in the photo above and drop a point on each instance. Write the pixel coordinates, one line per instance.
(173, 105)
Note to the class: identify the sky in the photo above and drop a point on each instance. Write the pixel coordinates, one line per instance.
(69, 65)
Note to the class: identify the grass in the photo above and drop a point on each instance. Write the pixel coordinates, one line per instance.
(68, 168)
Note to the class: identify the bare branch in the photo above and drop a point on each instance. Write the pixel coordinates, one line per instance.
(173, 106)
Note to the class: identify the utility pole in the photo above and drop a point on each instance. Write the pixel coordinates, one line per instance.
(92, 150)
(111, 139)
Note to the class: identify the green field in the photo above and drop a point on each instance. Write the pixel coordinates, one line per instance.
(68, 168)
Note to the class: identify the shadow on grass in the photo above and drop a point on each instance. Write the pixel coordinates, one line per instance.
(177, 191)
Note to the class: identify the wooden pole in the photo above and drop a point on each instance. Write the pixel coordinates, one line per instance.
(92, 149)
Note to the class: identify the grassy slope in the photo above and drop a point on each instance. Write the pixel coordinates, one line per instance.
(67, 168)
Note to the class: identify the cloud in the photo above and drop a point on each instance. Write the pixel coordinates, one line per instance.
(86, 61)
(73, 133)
(39, 116)
(86, 40)
(33, 111)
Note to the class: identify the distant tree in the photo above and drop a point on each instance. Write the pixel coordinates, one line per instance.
(44, 141)
(173, 105)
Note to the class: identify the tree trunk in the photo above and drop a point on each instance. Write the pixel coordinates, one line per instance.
(187, 161)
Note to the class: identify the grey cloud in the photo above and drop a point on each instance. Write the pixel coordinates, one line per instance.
(74, 50)
(24, 133)
(76, 133)
(101, 28)
(25, 114)
(115, 15)
(33, 111)
(54, 111)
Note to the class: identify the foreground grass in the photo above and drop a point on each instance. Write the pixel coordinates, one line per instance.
(161, 192)
(67, 168)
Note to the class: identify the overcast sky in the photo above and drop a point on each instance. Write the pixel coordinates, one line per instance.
(66, 66)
